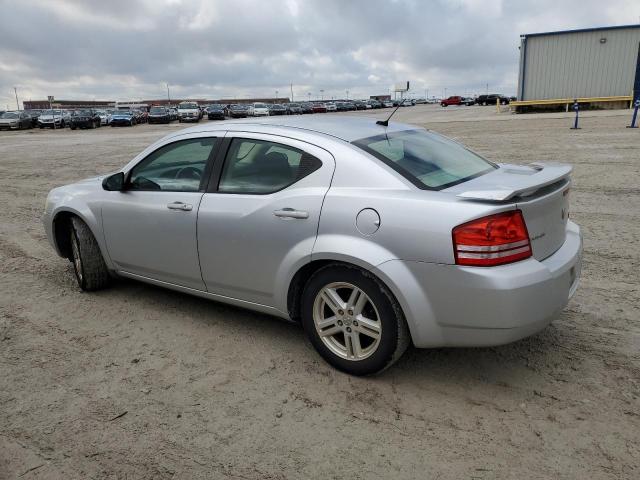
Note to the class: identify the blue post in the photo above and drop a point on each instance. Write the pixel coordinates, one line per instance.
(635, 114)
(576, 107)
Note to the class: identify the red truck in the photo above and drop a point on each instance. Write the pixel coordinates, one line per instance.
(455, 100)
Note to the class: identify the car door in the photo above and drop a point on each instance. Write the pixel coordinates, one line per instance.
(259, 219)
(150, 227)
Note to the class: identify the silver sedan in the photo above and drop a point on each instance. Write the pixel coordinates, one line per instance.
(372, 236)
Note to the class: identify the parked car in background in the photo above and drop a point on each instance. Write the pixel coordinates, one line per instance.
(306, 107)
(188, 112)
(372, 237)
(406, 103)
(374, 103)
(387, 103)
(85, 118)
(173, 113)
(277, 109)
(52, 119)
(215, 112)
(159, 114)
(15, 121)
(453, 100)
(468, 101)
(319, 107)
(258, 109)
(331, 107)
(238, 110)
(34, 114)
(120, 118)
(360, 105)
(492, 99)
(341, 106)
(293, 108)
(105, 116)
(142, 116)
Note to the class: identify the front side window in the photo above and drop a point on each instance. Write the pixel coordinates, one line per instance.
(429, 161)
(177, 167)
(261, 167)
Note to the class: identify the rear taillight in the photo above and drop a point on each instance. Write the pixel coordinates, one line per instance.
(492, 240)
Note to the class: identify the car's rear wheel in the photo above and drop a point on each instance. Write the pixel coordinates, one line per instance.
(88, 263)
(353, 320)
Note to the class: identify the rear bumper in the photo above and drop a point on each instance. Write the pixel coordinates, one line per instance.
(449, 305)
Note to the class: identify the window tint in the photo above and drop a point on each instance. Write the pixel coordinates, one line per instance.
(428, 160)
(259, 167)
(177, 167)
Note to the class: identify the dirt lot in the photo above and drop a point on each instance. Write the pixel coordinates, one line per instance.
(137, 382)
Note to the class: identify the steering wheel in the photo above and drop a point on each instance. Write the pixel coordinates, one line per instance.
(188, 173)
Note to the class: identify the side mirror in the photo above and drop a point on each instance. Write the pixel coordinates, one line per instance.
(114, 183)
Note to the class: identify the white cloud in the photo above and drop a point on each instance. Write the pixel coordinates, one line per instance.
(128, 49)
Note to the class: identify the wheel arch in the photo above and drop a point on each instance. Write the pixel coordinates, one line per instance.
(306, 271)
(61, 223)
(404, 287)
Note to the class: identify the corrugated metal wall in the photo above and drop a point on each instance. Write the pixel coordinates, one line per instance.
(568, 65)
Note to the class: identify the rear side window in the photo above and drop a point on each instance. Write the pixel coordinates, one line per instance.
(262, 167)
(429, 161)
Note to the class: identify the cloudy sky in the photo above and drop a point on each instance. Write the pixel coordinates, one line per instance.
(130, 49)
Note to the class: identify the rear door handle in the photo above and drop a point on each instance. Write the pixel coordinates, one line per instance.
(180, 206)
(291, 213)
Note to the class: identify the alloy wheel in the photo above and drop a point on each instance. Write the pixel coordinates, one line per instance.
(347, 321)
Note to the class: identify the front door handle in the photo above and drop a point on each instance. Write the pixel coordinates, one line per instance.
(291, 213)
(180, 206)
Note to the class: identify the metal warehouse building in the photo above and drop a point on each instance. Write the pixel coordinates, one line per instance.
(595, 65)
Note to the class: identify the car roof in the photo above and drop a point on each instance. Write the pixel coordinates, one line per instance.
(342, 127)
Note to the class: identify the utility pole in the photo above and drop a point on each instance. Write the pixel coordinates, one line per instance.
(15, 90)
(347, 94)
(291, 85)
(487, 92)
(309, 93)
(276, 95)
(321, 94)
(168, 96)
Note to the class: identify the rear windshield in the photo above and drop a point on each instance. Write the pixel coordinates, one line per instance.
(428, 160)
(158, 110)
(187, 106)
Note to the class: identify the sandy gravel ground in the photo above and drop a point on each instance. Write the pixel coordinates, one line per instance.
(136, 382)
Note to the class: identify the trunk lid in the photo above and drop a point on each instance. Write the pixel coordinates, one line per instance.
(540, 191)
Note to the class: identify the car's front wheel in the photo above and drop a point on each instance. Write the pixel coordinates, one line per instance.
(88, 263)
(353, 320)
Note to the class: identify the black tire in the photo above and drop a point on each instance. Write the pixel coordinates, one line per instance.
(88, 263)
(394, 339)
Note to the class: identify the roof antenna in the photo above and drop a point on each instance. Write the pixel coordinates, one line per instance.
(385, 123)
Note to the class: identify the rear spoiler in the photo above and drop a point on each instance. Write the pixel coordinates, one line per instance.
(511, 181)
